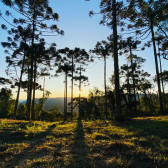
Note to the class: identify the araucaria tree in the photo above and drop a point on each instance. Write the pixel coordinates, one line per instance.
(103, 49)
(112, 12)
(81, 60)
(65, 68)
(19, 54)
(145, 16)
(34, 13)
(128, 46)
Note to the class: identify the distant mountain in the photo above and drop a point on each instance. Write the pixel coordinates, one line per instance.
(52, 102)
(59, 102)
(22, 100)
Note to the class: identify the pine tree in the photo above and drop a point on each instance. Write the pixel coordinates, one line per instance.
(132, 72)
(64, 69)
(129, 45)
(81, 59)
(17, 58)
(103, 49)
(145, 16)
(113, 14)
(35, 13)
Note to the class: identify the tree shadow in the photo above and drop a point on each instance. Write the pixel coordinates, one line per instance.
(13, 145)
(148, 135)
(145, 127)
(79, 148)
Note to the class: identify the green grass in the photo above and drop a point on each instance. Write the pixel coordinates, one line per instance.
(137, 143)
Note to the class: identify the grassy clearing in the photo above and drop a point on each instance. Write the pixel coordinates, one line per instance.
(141, 142)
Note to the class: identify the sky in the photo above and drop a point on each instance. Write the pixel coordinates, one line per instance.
(80, 31)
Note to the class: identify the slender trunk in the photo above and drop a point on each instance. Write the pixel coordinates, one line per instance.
(80, 94)
(151, 104)
(31, 78)
(65, 98)
(28, 91)
(129, 94)
(157, 69)
(133, 81)
(72, 90)
(34, 89)
(66, 95)
(116, 67)
(43, 91)
(105, 89)
(42, 109)
(146, 103)
(165, 110)
(20, 80)
(140, 109)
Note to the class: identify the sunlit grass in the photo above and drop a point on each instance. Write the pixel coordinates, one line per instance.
(141, 142)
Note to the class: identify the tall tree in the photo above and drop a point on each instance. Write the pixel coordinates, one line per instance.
(129, 45)
(36, 13)
(22, 36)
(81, 59)
(103, 49)
(42, 56)
(132, 84)
(64, 69)
(112, 12)
(70, 57)
(145, 16)
(158, 39)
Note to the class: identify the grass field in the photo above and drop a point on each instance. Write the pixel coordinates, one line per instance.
(137, 143)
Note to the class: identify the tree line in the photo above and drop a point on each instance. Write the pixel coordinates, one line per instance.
(27, 49)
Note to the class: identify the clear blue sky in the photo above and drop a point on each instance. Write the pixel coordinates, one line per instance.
(80, 31)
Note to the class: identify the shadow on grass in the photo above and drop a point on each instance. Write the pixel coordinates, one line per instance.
(146, 127)
(13, 136)
(13, 141)
(149, 136)
(79, 148)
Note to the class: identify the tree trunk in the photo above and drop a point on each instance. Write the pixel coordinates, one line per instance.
(43, 99)
(151, 104)
(165, 110)
(34, 89)
(66, 95)
(31, 78)
(105, 89)
(65, 98)
(28, 91)
(80, 94)
(72, 90)
(20, 80)
(146, 104)
(133, 81)
(157, 69)
(129, 94)
(116, 68)
(64, 101)
(140, 109)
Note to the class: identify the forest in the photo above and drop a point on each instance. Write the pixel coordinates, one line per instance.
(123, 125)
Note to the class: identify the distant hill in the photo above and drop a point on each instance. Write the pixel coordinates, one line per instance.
(52, 102)
(59, 102)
